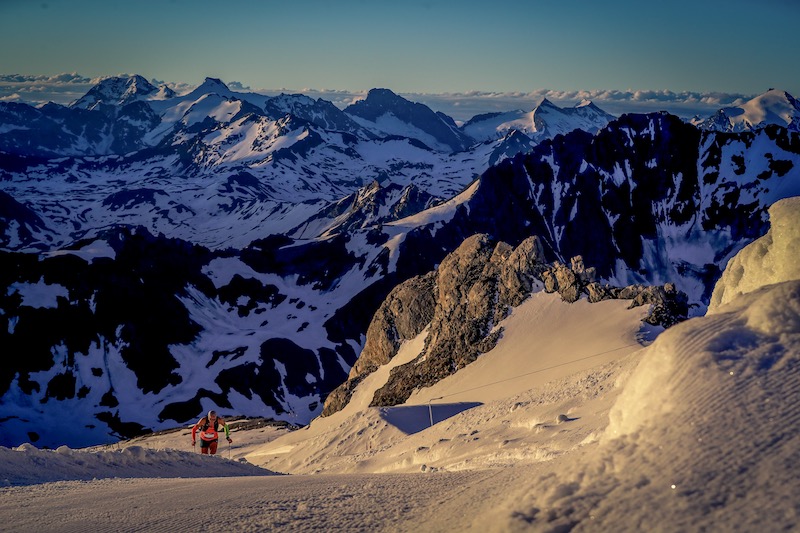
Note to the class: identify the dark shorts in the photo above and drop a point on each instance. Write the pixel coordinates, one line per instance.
(207, 443)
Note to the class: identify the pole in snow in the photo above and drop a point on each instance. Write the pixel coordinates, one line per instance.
(430, 409)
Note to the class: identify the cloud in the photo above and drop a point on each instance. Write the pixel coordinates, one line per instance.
(237, 86)
(465, 105)
(58, 79)
(67, 87)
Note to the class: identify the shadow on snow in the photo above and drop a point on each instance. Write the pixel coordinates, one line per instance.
(412, 419)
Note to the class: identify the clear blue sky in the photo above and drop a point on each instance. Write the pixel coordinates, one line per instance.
(414, 45)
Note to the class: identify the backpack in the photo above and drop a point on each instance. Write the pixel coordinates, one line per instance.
(205, 433)
(204, 423)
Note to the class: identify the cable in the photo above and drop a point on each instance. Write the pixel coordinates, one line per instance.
(536, 371)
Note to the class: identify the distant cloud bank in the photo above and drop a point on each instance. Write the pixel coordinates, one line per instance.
(68, 87)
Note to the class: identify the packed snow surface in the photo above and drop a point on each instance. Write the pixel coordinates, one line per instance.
(699, 431)
(764, 261)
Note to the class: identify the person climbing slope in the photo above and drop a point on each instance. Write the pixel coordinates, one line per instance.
(209, 432)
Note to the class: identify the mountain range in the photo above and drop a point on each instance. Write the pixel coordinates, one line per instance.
(165, 254)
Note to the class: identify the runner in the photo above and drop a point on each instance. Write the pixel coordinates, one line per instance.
(209, 432)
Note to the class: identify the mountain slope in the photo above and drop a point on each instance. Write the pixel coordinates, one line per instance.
(545, 122)
(294, 313)
(118, 91)
(237, 260)
(385, 113)
(773, 107)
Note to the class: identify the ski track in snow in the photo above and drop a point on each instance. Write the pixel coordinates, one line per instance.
(366, 502)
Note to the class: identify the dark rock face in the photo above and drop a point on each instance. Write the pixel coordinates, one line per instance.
(119, 324)
(625, 198)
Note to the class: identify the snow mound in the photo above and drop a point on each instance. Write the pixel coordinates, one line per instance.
(770, 259)
(706, 428)
(28, 465)
(501, 410)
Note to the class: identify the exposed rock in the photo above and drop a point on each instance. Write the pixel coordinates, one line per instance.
(598, 293)
(403, 315)
(521, 271)
(563, 280)
(476, 285)
(463, 301)
(669, 305)
(630, 292)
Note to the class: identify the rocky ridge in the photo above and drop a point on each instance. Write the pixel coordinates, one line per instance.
(463, 301)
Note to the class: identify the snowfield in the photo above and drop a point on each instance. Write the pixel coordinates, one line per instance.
(568, 424)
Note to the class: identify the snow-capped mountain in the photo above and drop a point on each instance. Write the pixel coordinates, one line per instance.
(118, 91)
(296, 155)
(545, 121)
(646, 199)
(236, 259)
(385, 113)
(773, 107)
(319, 112)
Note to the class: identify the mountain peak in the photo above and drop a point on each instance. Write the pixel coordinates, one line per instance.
(213, 85)
(386, 113)
(547, 103)
(139, 84)
(382, 93)
(380, 98)
(116, 90)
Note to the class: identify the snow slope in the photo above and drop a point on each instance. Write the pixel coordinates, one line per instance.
(772, 107)
(545, 121)
(705, 434)
(526, 357)
(698, 431)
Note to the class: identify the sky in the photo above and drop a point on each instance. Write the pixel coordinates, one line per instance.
(733, 47)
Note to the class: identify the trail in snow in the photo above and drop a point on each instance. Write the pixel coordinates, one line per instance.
(398, 502)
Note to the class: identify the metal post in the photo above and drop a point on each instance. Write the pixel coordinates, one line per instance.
(430, 409)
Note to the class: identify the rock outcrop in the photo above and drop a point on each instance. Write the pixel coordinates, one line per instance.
(471, 291)
(476, 286)
(403, 315)
(465, 299)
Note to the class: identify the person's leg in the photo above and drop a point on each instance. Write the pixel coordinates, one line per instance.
(204, 447)
(213, 446)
